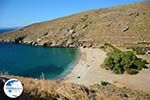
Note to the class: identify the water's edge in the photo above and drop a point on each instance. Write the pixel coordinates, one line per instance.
(68, 69)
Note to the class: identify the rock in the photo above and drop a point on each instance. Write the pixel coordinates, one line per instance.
(19, 39)
(89, 45)
(78, 77)
(27, 41)
(20, 42)
(125, 29)
(71, 31)
(80, 44)
(135, 14)
(84, 46)
(32, 43)
(60, 43)
(47, 44)
(35, 44)
(107, 93)
(41, 43)
(6, 41)
(84, 18)
(53, 43)
(39, 39)
(85, 26)
(108, 24)
(21, 29)
(1, 40)
(45, 34)
(72, 45)
(73, 26)
(69, 42)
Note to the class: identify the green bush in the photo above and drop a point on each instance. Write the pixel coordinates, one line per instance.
(119, 62)
(118, 69)
(132, 71)
(139, 50)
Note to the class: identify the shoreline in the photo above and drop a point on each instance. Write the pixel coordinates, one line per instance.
(81, 66)
(88, 71)
(78, 57)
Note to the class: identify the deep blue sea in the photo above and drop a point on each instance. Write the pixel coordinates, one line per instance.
(6, 30)
(29, 61)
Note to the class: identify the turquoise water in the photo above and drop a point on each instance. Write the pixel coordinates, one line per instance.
(29, 61)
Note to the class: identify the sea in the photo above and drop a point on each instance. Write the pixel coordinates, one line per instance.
(6, 30)
(36, 62)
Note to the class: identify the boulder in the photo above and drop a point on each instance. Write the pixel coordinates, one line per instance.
(27, 41)
(19, 39)
(34, 43)
(69, 42)
(60, 43)
(89, 45)
(46, 44)
(54, 43)
(125, 28)
(85, 26)
(45, 34)
(71, 31)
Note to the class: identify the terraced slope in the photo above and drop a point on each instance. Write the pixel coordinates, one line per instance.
(123, 26)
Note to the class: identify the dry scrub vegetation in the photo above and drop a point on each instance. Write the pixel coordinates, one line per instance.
(58, 90)
(123, 26)
(127, 25)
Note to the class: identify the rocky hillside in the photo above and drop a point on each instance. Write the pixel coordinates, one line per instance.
(123, 26)
(57, 90)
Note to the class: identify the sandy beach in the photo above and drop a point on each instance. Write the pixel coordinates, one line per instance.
(88, 71)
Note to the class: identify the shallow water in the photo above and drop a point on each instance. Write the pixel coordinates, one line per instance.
(29, 61)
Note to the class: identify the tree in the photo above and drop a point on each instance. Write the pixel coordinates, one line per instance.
(120, 62)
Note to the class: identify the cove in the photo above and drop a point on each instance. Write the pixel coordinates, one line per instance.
(29, 61)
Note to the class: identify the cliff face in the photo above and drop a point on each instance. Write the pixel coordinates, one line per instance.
(123, 25)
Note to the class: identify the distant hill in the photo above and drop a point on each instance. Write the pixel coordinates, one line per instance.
(127, 25)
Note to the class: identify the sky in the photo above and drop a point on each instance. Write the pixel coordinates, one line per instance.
(19, 13)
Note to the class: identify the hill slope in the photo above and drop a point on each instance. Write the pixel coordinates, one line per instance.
(56, 90)
(123, 26)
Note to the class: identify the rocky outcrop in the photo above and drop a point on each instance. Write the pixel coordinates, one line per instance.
(19, 39)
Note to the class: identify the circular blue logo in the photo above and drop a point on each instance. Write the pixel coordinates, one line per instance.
(13, 88)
